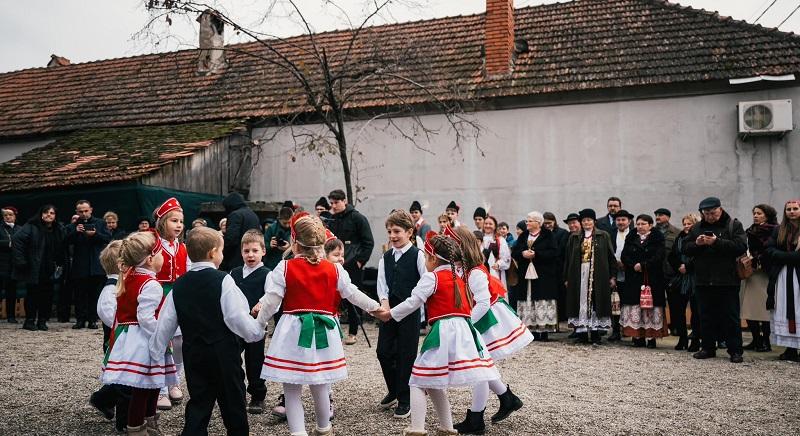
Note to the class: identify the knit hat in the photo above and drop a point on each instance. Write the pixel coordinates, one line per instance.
(452, 205)
(480, 212)
(415, 206)
(587, 213)
(322, 202)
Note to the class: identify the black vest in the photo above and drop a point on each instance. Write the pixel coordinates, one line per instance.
(196, 295)
(252, 286)
(110, 281)
(401, 276)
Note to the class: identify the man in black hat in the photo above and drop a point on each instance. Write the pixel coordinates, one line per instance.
(452, 210)
(670, 232)
(715, 243)
(421, 227)
(479, 216)
(622, 228)
(573, 222)
(607, 222)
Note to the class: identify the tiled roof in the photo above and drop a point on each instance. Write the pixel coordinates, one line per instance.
(108, 155)
(580, 45)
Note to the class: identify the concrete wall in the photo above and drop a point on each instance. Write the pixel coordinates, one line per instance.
(12, 149)
(651, 153)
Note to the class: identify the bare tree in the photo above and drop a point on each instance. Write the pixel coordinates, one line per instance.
(367, 74)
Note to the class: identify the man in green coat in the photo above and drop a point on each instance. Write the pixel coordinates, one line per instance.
(590, 271)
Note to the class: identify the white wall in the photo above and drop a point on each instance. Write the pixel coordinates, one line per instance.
(651, 153)
(12, 149)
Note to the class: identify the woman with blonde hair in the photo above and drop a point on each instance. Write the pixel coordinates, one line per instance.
(683, 286)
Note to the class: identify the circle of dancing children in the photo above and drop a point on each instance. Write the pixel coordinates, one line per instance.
(128, 361)
(453, 353)
(169, 224)
(498, 324)
(306, 348)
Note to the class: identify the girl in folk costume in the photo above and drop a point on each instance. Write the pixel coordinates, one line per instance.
(501, 329)
(783, 291)
(495, 250)
(453, 353)
(307, 345)
(169, 224)
(127, 360)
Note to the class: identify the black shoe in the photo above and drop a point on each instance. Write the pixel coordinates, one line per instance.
(595, 337)
(765, 346)
(472, 424)
(572, 335)
(12, 320)
(582, 338)
(736, 358)
(681, 343)
(544, 338)
(62, 319)
(42, 325)
(255, 407)
(29, 324)
(704, 354)
(105, 412)
(79, 325)
(722, 345)
(508, 403)
(402, 410)
(694, 346)
(92, 325)
(789, 354)
(615, 336)
(638, 343)
(388, 401)
(651, 343)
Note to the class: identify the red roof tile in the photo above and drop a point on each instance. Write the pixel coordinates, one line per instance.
(580, 45)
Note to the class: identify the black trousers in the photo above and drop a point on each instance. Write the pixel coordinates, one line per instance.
(214, 375)
(87, 290)
(39, 301)
(9, 287)
(353, 312)
(65, 294)
(697, 328)
(397, 350)
(719, 317)
(253, 363)
(677, 312)
(118, 397)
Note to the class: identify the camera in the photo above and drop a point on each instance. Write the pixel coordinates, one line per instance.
(89, 227)
(281, 242)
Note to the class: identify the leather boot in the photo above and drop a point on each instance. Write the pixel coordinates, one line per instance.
(152, 425)
(765, 344)
(29, 324)
(582, 338)
(694, 345)
(140, 430)
(682, 343)
(595, 337)
(508, 403)
(472, 424)
(755, 330)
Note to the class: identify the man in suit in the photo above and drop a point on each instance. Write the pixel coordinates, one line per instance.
(622, 229)
(608, 222)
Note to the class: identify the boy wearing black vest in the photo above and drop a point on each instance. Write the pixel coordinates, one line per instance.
(251, 278)
(399, 270)
(213, 315)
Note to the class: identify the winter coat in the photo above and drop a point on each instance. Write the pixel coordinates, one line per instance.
(670, 232)
(778, 257)
(605, 268)
(86, 249)
(240, 219)
(681, 283)
(758, 236)
(6, 235)
(353, 230)
(715, 265)
(546, 262)
(650, 254)
(28, 247)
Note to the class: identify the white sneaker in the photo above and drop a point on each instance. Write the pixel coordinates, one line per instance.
(164, 403)
(175, 394)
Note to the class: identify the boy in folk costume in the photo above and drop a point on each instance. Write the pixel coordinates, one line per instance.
(399, 270)
(452, 210)
(169, 224)
(421, 227)
(213, 314)
(501, 329)
(128, 361)
(453, 353)
(307, 345)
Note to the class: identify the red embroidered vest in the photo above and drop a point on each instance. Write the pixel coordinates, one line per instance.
(174, 266)
(310, 288)
(496, 288)
(128, 302)
(443, 301)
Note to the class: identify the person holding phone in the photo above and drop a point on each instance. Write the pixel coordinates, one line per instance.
(277, 237)
(87, 236)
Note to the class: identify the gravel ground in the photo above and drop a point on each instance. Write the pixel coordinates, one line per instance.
(567, 389)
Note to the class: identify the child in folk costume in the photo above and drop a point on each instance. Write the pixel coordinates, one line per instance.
(307, 345)
(169, 224)
(501, 329)
(453, 353)
(128, 361)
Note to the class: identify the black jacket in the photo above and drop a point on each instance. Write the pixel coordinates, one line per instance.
(715, 265)
(86, 250)
(777, 258)
(604, 224)
(547, 264)
(650, 255)
(6, 235)
(240, 219)
(29, 249)
(353, 229)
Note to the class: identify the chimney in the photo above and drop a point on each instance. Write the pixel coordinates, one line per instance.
(57, 61)
(498, 40)
(212, 53)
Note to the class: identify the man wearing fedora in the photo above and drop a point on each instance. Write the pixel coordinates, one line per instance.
(715, 243)
(622, 222)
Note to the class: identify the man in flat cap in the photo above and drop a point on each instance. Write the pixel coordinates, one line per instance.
(670, 232)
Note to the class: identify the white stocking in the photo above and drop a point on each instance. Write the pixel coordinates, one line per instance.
(419, 408)
(294, 407)
(442, 406)
(322, 404)
(177, 354)
(480, 396)
(497, 386)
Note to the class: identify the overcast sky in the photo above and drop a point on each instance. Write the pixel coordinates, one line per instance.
(87, 30)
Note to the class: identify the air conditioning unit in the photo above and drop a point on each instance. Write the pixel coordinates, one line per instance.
(769, 117)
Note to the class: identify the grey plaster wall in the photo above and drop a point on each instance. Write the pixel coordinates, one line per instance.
(651, 153)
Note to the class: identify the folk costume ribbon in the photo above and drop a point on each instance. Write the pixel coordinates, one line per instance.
(433, 340)
(314, 329)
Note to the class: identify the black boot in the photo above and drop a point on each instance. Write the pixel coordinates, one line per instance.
(755, 330)
(29, 324)
(595, 337)
(543, 337)
(765, 344)
(694, 345)
(615, 329)
(682, 343)
(789, 354)
(508, 403)
(42, 325)
(472, 424)
(651, 343)
(582, 338)
(638, 342)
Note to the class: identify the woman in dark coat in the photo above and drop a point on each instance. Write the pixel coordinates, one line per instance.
(683, 285)
(537, 245)
(8, 228)
(38, 250)
(643, 257)
(753, 296)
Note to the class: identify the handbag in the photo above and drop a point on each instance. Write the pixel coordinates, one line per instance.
(511, 275)
(744, 266)
(646, 296)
